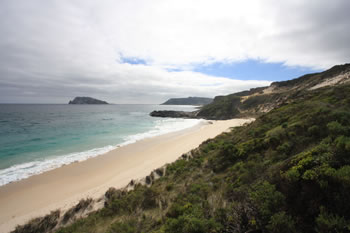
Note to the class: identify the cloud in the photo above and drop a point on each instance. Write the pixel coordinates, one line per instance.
(51, 51)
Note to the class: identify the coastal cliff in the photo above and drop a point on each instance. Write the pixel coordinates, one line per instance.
(86, 100)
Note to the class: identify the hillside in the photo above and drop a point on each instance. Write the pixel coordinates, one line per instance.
(288, 171)
(258, 101)
(188, 101)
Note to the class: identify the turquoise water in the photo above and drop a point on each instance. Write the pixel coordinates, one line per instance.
(37, 138)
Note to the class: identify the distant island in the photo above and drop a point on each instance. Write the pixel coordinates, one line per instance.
(188, 101)
(86, 100)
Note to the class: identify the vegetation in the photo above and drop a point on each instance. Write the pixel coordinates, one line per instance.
(43, 224)
(256, 101)
(81, 206)
(313, 78)
(231, 106)
(289, 171)
(223, 107)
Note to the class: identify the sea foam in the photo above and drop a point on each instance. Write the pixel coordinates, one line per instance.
(21, 171)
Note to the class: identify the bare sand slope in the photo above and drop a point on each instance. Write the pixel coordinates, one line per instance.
(65, 186)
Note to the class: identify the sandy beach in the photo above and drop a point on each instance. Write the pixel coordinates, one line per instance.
(63, 187)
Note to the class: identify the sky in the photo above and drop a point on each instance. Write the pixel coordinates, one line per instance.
(146, 51)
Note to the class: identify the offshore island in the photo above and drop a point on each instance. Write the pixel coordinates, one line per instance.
(86, 100)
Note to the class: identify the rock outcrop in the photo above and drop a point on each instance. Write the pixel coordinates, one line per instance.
(86, 100)
(174, 114)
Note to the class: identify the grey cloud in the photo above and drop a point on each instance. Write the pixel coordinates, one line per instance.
(314, 29)
(51, 51)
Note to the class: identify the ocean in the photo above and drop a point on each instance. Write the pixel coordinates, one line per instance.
(39, 137)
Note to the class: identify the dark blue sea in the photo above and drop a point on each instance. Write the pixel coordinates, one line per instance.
(37, 138)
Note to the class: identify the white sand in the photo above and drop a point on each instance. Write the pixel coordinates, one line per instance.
(63, 187)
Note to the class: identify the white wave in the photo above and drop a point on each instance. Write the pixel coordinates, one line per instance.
(25, 170)
(163, 126)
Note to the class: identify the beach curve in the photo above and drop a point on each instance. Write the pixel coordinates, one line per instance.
(63, 187)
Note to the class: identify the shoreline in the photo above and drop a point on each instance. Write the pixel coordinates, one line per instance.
(20, 171)
(63, 187)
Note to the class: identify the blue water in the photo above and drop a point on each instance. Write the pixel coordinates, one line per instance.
(37, 138)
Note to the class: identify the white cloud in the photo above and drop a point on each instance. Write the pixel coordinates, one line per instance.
(59, 49)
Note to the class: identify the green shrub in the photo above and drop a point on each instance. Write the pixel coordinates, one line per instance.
(169, 187)
(342, 144)
(327, 222)
(229, 151)
(267, 199)
(149, 198)
(179, 208)
(41, 224)
(124, 227)
(281, 222)
(81, 206)
(310, 175)
(343, 175)
(177, 168)
(292, 175)
(285, 148)
(335, 128)
(314, 131)
(190, 224)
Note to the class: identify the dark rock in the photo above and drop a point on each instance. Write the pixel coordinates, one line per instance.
(86, 100)
(148, 180)
(159, 171)
(174, 114)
